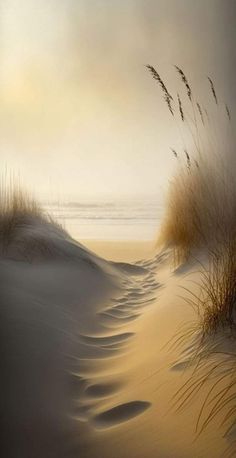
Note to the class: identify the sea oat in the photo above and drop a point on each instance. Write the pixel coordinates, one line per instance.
(228, 112)
(200, 112)
(167, 96)
(180, 108)
(213, 90)
(185, 81)
(188, 159)
(174, 152)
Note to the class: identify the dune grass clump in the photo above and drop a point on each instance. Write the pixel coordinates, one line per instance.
(24, 227)
(187, 220)
(201, 206)
(201, 203)
(217, 378)
(201, 216)
(217, 302)
(201, 210)
(15, 209)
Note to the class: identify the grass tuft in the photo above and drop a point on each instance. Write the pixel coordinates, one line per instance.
(24, 228)
(201, 216)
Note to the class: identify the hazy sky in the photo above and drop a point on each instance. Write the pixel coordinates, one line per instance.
(79, 115)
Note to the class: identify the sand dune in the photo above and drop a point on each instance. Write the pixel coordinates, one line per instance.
(60, 336)
(87, 370)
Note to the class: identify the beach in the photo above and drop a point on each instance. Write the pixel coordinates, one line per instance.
(118, 229)
(152, 369)
(93, 352)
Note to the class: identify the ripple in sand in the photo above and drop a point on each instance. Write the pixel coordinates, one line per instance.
(123, 308)
(114, 322)
(106, 340)
(121, 300)
(136, 295)
(120, 414)
(113, 311)
(128, 317)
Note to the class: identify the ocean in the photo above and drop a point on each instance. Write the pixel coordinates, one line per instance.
(125, 220)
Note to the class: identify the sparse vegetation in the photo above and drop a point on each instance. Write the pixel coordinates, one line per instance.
(201, 215)
(20, 220)
(201, 208)
(216, 305)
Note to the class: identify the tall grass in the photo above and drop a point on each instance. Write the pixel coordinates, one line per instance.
(24, 227)
(201, 215)
(217, 302)
(201, 210)
(201, 205)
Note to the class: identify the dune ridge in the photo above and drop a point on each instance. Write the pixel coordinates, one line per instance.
(57, 299)
(95, 351)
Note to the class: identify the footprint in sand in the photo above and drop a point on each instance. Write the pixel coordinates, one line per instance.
(117, 313)
(119, 414)
(131, 269)
(102, 390)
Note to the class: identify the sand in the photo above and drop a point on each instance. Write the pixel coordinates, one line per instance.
(88, 372)
(151, 371)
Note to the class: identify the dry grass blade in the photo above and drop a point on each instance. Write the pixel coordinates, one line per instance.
(167, 96)
(201, 218)
(201, 113)
(213, 90)
(185, 81)
(188, 159)
(180, 107)
(174, 152)
(18, 214)
(228, 112)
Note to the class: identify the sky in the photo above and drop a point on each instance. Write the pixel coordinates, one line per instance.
(80, 117)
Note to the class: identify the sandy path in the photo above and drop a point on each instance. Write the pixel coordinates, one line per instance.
(130, 397)
(101, 383)
(87, 372)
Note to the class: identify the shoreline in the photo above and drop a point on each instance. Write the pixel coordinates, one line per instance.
(121, 250)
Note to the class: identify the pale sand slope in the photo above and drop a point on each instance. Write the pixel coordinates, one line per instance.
(84, 373)
(53, 332)
(151, 373)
